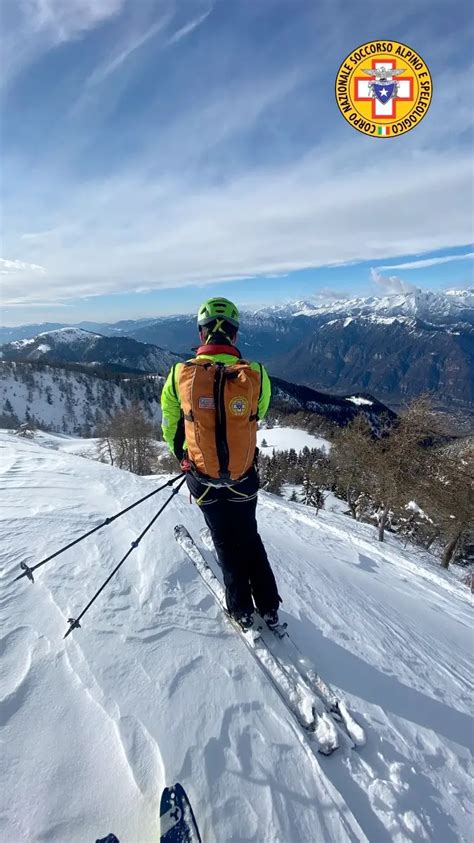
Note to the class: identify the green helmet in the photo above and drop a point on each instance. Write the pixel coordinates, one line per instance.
(218, 308)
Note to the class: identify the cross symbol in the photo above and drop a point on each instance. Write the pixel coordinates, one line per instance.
(388, 109)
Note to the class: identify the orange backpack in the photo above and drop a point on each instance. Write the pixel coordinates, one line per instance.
(220, 408)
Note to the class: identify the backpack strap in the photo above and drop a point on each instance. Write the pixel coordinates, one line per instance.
(173, 380)
(261, 382)
(254, 416)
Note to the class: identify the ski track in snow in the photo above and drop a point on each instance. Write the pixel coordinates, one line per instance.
(156, 687)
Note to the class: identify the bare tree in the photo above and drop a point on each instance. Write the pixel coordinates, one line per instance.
(450, 495)
(401, 461)
(351, 460)
(129, 441)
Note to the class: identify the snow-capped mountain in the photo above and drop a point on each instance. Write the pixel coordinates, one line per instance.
(76, 345)
(396, 346)
(76, 401)
(156, 686)
(393, 358)
(451, 306)
(438, 308)
(26, 332)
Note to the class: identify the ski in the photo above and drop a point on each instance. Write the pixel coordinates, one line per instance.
(292, 690)
(334, 706)
(177, 821)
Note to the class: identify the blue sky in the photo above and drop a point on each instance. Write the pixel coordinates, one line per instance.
(157, 152)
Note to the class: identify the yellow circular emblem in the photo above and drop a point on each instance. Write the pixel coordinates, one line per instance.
(383, 88)
(239, 406)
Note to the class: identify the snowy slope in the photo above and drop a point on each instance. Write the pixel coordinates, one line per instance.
(156, 687)
(69, 401)
(68, 444)
(284, 438)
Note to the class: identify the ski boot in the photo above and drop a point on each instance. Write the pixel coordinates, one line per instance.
(271, 619)
(273, 623)
(244, 620)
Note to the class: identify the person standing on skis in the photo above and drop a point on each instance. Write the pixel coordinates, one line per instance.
(210, 408)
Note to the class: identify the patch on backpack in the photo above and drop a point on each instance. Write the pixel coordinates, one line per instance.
(206, 403)
(239, 406)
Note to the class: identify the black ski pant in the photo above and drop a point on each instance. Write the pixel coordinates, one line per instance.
(230, 514)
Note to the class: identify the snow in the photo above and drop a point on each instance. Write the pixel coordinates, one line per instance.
(62, 400)
(156, 687)
(334, 504)
(383, 309)
(388, 320)
(413, 506)
(356, 399)
(22, 343)
(284, 438)
(466, 297)
(68, 444)
(67, 336)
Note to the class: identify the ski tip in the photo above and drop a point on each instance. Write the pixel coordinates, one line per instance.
(358, 736)
(354, 730)
(327, 750)
(177, 820)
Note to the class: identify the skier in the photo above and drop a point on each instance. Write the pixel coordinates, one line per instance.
(210, 408)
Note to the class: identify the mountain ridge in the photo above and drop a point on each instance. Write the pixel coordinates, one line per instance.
(79, 345)
(396, 346)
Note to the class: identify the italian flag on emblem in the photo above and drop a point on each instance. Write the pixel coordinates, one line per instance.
(383, 130)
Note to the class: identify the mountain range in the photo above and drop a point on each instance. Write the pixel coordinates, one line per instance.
(75, 399)
(77, 345)
(395, 347)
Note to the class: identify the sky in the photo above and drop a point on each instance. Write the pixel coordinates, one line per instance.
(158, 152)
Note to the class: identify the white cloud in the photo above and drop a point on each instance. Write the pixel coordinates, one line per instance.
(190, 27)
(421, 264)
(37, 26)
(132, 44)
(143, 31)
(212, 180)
(8, 267)
(393, 284)
(64, 20)
(271, 220)
(22, 303)
(326, 294)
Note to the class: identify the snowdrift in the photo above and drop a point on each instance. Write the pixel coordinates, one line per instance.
(156, 687)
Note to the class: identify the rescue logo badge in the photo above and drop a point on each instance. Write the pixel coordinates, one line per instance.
(239, 406)
(383, 89)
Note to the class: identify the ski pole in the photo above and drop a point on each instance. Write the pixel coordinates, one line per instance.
(27, 571)
(74, 622)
